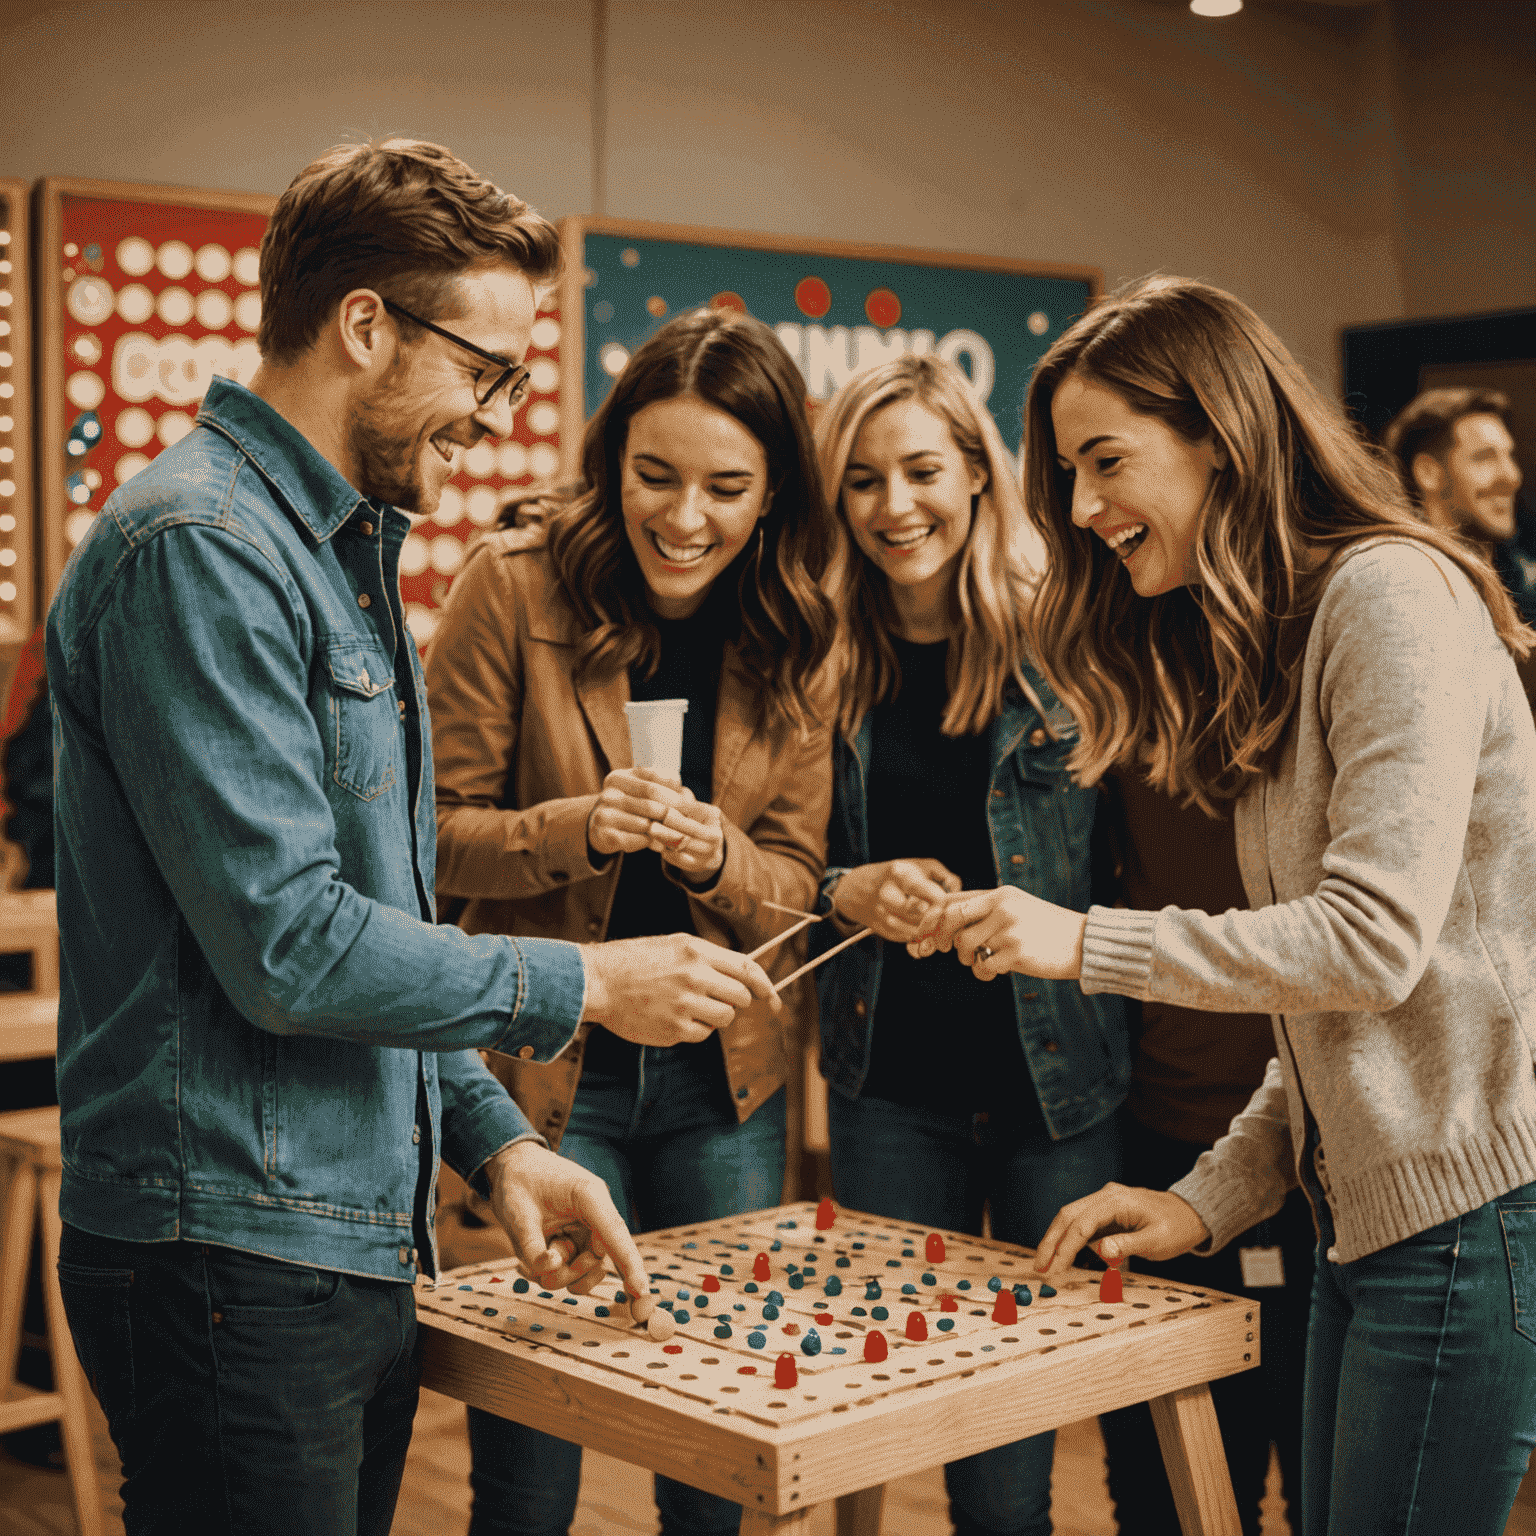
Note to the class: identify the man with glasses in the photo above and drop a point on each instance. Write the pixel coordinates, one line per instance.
(265, 1042)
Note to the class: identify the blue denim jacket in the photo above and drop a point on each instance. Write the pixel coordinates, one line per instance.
(263, 1038)
(1041, 822)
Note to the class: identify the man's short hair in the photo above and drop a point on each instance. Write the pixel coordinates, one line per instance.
(1427, 424)
(403, 217)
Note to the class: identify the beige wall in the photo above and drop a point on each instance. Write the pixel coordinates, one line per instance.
(1327, 162)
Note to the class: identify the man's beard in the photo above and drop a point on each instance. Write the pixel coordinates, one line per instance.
(385, 454)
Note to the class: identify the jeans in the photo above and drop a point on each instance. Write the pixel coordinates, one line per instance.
(941, 1170)
(1254, 1408)
(671, 1151)
(1421, 1379)
(245, 1395)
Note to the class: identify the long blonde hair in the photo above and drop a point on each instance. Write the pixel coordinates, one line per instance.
(994, 579)
(1199, 684)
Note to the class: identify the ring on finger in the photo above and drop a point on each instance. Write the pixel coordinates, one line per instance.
(985, 952)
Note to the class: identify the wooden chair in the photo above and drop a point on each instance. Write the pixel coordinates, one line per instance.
(29, 1153)
(29, 1021)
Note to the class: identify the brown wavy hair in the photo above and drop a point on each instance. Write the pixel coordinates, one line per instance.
(1197, 685)
(992, 582)
(736, 364)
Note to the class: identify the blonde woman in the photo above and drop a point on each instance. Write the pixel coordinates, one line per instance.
(950, 1095)
(1237, 584)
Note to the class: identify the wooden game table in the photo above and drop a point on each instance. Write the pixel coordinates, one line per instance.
(704, 1408)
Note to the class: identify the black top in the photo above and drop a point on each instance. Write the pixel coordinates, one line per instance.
(646, 901)
(942, 1039)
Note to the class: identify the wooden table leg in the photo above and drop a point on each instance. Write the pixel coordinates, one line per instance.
(858, 1514)
(757, 1523)
(1197, 1464)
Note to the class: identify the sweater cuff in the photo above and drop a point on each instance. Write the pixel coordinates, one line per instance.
(1224, 1204)
(1117, 952)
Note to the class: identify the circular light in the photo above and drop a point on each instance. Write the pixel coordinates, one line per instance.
(1039, 323)
(135, 303)
(213, 263)
(422, 620)
(174, 258)
(631, 257)
(544, 376)
(1215, 7)
(77, 525)
(7, 487)
(447, 554)
(85, 390)
(135, 255)
(248, 311)
(415, 555)
(7, 523)
(175, 306)
(135, 426)
(7, 455)
(512, 460)
(248, 266)
(86, 349)
(129, 465)
(7, 591)
(545, 334)
(90, 300)
(544, 418)
(450, 507)
(543, 460)
(613, 357)
(7, 557)
(480, 507)
(479, 461)
(214, 309)
(92, 478)
(173, 426)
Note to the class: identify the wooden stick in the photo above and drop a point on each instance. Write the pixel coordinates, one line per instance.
(773, 906)
(789, 933)
(810, 965)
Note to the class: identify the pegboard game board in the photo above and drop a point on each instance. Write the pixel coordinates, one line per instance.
(710, 1406)
(18, 606)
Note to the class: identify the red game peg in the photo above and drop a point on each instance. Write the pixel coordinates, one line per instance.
(1110, 1287)
(917, 1326)
(825, 1215)
(760, 1270)
(948, 1304)
(784, 1373)
(934, 1248)
(746, 1370)
(791, 1329)
(875, 1349)
(671, 1349)
(709, 1283)
(1007, 1309)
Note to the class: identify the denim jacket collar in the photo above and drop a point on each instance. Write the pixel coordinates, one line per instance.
(303, 479)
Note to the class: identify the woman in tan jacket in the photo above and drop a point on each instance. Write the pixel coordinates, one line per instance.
(688, 569)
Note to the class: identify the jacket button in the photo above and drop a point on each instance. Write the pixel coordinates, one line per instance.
(558, 874)
(1052, 1047)
(413, 1255)
(402, 709)
(1017, 858)
(366, 527)
(594, 927)
(1037, 737)
(861, 1007)
(416, 1135)
(405, 1255)
(741, 1093)
(1029, 997)
(364, 601)
(525, 1052)
(997, 794)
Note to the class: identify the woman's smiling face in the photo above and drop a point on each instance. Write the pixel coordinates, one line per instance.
(693, 484)
(1136, 483)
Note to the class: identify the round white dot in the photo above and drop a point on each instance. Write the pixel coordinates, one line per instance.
(128, 466)
(450, 507)
(215, 309)
(173, 426)
(415, 555)
(135, 303)
(422, 620)
(7, 591)
(544, 418)
(545, 334)
(92, 478)
(7, 557)
(135, 426)
(447, 554)
(479, 461)
(85, 390)
(174, 259)
(481, 506)
(543, 460)
(512, 460)
(1039, 323)
(135, 255)
(247, 361)
(77, 525)
(89, 299)
(7, 487)
(86, 350)
(248, 266)
(80, 494)
(213, 263)
(613, 358)
(175, 306)
(544, 375)
(630, 257)
(248, 311)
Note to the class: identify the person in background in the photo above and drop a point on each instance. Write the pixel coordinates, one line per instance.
(1192, 1072)
(1239, 598)
(1456, 457)
(950, 1097)
(688, 569)
(264, 1038)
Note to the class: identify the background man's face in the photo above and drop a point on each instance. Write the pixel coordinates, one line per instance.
(1481, 478)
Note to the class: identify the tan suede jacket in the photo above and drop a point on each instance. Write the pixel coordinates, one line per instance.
(521, 753)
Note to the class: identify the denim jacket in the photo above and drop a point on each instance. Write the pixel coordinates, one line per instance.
(1041, 823)
(264, 1041)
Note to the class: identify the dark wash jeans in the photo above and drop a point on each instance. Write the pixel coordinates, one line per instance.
(245, 1395)
(941, 1170)
(1421, 1379)
(671, 1151)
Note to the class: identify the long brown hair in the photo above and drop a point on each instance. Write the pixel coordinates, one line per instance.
(1199, 684)
(992, 581)
(736, 364)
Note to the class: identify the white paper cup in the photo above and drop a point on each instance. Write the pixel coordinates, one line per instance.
(656, 735)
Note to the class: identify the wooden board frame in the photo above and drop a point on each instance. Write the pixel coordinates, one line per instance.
(18, 614)
(49, 197)
(1155, 1346)
(575, 228)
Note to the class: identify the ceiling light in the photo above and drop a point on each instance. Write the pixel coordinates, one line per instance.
(1215, 7)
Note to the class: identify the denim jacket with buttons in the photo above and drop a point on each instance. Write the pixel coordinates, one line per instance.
(264, 1040)
(1041, 824)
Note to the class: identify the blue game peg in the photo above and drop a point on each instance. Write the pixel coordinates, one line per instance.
(879, 1314)
(770, 1311)
(757, 1340)
(811, 1343)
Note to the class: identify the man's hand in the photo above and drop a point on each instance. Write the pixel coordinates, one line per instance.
(1149, 1222)
(563, 1222)
(898, 899)
(1007, 929)
(665, 990)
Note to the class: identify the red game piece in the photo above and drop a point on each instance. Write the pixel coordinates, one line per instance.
(875, 1349)
(496, 1279)
(709, 1283)
(1007, 1309)
(824, 1215)
(671, 1349)
(917, 1326)
(760, 1269)
(784, 1373)
(948, 1304)
(791, 1328)
(934, 1248)
(1109, 1286)
(746, 1370)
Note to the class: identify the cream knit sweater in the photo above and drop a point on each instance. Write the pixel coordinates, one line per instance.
(1391, 865)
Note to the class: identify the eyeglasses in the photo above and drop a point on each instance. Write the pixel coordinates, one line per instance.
(514, 373)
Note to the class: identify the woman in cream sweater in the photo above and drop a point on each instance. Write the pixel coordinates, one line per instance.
(1238, 599)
